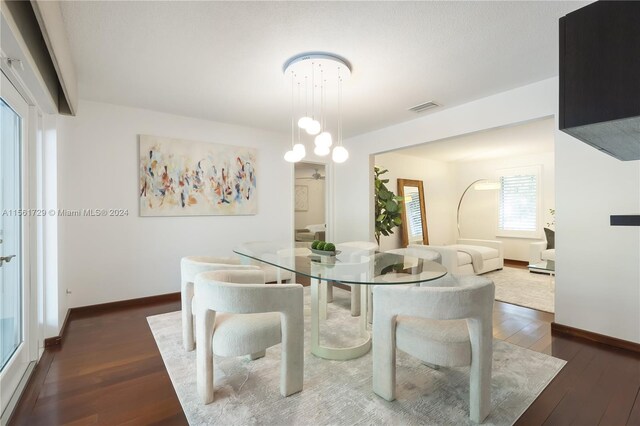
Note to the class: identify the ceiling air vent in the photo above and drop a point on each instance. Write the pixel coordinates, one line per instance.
(423, 107)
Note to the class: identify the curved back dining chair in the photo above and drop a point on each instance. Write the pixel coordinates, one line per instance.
(357, 249)
(442, 326)
(237, 314)
(272, 274)
(431, 255)
(190, 266)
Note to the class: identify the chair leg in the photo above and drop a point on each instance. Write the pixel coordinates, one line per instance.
(292, 350)
(188, 341)
(480, 372)
(384, 357)
(204, 355)
(258, 355)
(355, 300)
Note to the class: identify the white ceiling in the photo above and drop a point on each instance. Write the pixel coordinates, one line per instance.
(223, 60)
(523, 139)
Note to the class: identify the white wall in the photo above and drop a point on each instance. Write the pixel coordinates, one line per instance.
(104, 259)
(598, 285)
(316, 191)
(479, 211)
(598, 277)
(438, 194)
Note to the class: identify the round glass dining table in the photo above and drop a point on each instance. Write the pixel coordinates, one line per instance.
(350, 265)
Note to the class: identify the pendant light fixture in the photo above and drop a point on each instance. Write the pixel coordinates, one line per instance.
(320, 75)
(340, 153)
(324, 139)
(305, 120)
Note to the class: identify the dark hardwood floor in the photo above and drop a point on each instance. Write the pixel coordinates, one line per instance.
(108, 371)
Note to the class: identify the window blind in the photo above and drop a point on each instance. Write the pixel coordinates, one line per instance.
(518, 207)
(413, 214)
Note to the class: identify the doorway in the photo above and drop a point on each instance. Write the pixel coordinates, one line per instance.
(493, 189)
(310, 202)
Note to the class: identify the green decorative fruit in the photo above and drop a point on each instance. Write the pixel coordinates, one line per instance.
(314, 245)
(320, 246)
(329, 247)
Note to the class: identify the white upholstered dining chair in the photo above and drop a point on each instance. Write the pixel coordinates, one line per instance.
(258, 249)
(356, 249)
(190, 266)
(237, 314)
(420, 254)
(448, 326)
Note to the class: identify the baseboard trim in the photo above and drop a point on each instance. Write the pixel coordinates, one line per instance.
(142, 301)
(596, 337)
(56, 340)
(150, 300)
(512, 262)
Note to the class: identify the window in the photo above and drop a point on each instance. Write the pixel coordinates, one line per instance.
(518, 203)
(413, 213)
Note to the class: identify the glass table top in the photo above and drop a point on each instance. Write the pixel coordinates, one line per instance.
(545, 265)
(351, 265)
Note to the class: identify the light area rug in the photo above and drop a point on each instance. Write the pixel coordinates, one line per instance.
(521, 287)
(340, 392)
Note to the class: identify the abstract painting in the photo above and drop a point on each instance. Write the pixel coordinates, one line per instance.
(187, 178)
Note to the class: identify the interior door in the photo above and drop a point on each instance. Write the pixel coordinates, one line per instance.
(14, 294)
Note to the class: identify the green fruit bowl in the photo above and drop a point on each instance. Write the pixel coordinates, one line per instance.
(325, 252)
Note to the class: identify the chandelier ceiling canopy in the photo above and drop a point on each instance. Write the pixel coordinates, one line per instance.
(316, 104)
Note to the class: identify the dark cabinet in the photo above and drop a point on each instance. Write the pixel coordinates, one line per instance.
(600, 77)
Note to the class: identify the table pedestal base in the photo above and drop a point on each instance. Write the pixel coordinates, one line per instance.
(319, 311)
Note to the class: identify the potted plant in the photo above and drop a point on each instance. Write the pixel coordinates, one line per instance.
(387, 206)
(552, 224)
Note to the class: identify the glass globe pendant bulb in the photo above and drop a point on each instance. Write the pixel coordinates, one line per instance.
(304, 122)
(321, 151)
(299, 150)
(313, 128)
(324, 139)
(340, 154)
(291, 157)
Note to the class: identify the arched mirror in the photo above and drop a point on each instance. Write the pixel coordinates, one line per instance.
(414, 218)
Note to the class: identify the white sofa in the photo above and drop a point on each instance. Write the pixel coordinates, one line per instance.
(538, 252)
(458, 262)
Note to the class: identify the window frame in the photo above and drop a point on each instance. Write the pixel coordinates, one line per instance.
(535, 170)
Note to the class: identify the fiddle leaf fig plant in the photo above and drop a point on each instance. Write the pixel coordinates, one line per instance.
(388, 206)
